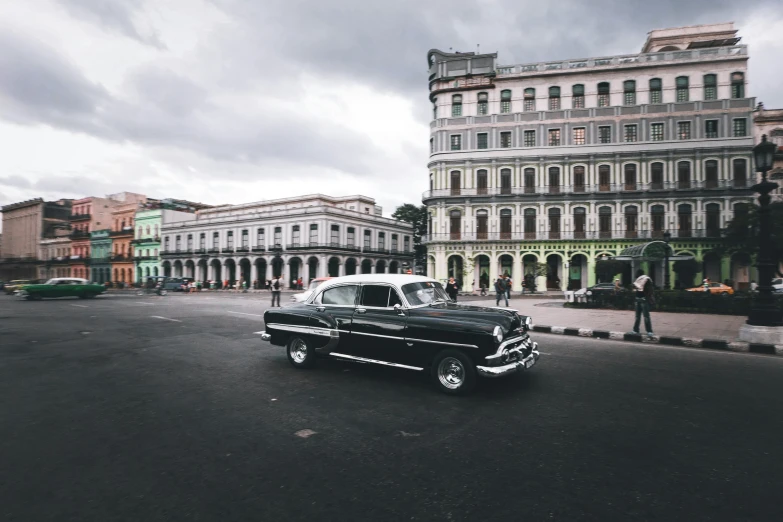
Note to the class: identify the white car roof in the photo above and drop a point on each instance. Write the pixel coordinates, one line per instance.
(395, 279)
(83, 281)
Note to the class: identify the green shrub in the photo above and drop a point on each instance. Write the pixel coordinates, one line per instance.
(679, 301)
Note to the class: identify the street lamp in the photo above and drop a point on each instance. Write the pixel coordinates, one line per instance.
(666, 237)
(764, 311)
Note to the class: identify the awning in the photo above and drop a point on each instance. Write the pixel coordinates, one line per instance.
(652, 251)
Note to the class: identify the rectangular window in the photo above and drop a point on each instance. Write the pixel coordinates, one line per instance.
(683, 130)
(313, 235)
(710, 87)
(230, 239)
(456, 142)
(177, 243)
(483, 104)
(579, 136)
(394, 244)
(530, 138)
(656, 90)
(630, 133)
(578, 97)
(260, 237)
(578, 102)
(202, 241)
(367, 239)
(656, 131)
(739, 127)
(505, 140)
(406, 243)
(737, 85)
(351, 236)
(335, 237)
(554, 137)
(456, 106)
(554, 103)
(605, 134)
(296, 236)
(711, 129)
(603, 100)
(381, 240)
(278, 237)
(682, 89)
(629, 92)
(190, 242)
(432, 145)
(215, 240)
(530, 104)
(505, 101)
(245, 238)
(481, 140)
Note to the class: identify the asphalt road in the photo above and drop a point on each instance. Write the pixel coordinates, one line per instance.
(150, 409)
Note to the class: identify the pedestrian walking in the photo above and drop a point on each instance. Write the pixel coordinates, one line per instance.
(508, 286)
(299, 283)
(643, 287)
(500, 291)
(276, 284)
(452, 289)
(616, 285)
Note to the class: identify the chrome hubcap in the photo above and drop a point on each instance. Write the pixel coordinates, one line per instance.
(298, 351)
(451, 373)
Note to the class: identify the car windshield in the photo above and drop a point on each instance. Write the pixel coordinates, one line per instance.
(51, 282)
(316, 283)
(425, 292)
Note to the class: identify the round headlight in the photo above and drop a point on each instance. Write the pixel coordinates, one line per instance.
(498, 333)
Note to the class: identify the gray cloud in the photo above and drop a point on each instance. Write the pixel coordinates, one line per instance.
(114, 16)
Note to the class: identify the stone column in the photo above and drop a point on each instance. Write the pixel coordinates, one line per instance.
(287, 274)
(253, 273)
(323, 266)
(341, 268)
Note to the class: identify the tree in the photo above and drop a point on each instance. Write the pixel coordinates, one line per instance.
(416, 216)
(742, 233)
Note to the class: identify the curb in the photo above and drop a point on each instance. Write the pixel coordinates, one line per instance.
(709, 344)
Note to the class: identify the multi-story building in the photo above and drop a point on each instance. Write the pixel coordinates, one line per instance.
(566, 161)
(307, 237)
(100, 255)
(54, 253)
(24, 225)
(149, 220)
(770, 123)
(122, 231)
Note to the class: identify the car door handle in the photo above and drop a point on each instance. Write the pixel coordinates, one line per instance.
(320, 309)
(360, 310)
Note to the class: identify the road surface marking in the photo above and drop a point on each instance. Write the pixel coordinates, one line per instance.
(165, 318)
(243, 313)
(305, 433)
(80, 306)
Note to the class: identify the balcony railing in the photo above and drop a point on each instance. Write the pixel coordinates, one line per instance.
(557, 235)
(243, 249)
(724, 184)
(142, 240)
(144, 258)
(79, 217)
(77, 234)
(119, 257)
(127, 231)
(258, 249)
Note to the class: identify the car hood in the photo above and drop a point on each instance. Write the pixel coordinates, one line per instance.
(507, 319)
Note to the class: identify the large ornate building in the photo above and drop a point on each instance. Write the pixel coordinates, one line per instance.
(566, 161)
(307, 237)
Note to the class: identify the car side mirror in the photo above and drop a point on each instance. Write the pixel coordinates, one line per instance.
(398, 309)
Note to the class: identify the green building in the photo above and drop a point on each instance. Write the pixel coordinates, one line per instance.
(100, 250)
(146, 243)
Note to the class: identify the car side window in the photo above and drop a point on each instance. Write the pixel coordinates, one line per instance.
(715, 285)
(394, 298)
(376, 296)
(340, 295)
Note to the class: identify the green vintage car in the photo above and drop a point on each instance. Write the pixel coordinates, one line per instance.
(61, 287)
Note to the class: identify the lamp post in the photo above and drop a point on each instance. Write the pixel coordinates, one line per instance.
(666, 237)
(764, 311)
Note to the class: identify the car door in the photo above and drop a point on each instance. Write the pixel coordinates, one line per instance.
(334, 308)
(378, 329)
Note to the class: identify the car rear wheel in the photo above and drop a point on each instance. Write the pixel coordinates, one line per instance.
(301, 354)
(453, 372)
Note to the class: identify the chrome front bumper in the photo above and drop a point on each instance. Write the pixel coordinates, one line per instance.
(516, 366)
(265, 336)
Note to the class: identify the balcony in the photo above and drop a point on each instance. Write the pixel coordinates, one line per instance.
(258, 249)
(79, 234)
(243, 249)
(58, 261)
(144, 258)
(213, 250)
(200, 251)
(127, 231)
(568, 190)
(143, 240)
(79, 217)
(79, 259)
(119, 257)
(560, 235)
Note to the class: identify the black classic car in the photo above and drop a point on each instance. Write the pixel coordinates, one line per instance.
(407, 322)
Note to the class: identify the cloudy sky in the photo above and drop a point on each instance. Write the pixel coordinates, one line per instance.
(230, 101)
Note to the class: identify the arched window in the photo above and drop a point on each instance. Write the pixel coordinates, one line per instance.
(737, 85)
(629, 172)
(740, 170)
(629, 92)
(530, 223)
(578, 96)
(682, 89)
(554, 223)
(711, 174)
(684, 216)
(579, 178)
(505, 181)
(483, 104)
(482, 227)
(656, 176)
(656, 90)
(455, 228)
(631, 221)
(554, 180)
(505, 224)
(603, 94)
(580, 218)
(530, 180)
(554, 98)
(530, 99)
(604, 178)
(456, 105)
(481, 182)
(712, 211)
(710, 87)
(605, 222)
(505, 101)
(456, 177)
(683, 175)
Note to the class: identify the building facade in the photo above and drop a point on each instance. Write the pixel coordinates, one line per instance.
(562, 163)
(54, 254)
(100, 255)
(770, 123)
(122, 232)
(304, 237)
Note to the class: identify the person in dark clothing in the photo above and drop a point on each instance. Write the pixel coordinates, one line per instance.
(500, 291)
(276, 284)
(643, 288)
(452, 289)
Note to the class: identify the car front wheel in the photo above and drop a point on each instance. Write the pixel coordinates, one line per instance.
(301, 353)
(453, 372)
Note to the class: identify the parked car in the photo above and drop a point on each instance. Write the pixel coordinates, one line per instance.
(172, 283)
(777, 285)
(315, 283)
(13, 286)
(603, 289)
(61, 287)
(403, 321)
(715, 288)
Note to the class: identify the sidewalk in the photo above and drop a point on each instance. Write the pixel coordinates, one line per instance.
(701, 326)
